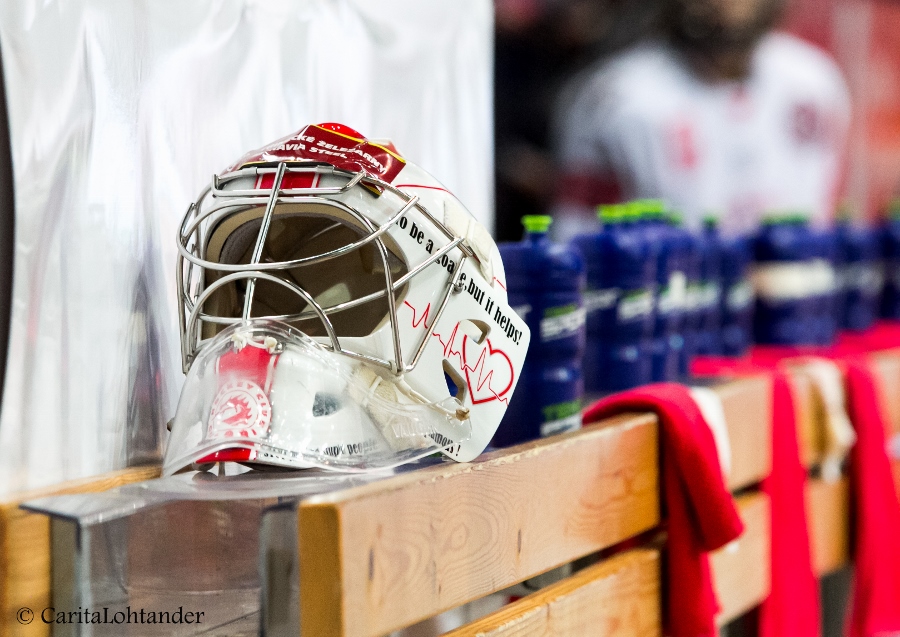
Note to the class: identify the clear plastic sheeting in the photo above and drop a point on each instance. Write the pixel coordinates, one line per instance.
(120, 112)
(233, 558)
(242, 484)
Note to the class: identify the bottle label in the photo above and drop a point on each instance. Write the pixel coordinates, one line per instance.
(562, 321)
(522, 311)
(635, 304)
(739, 296)
(672, 298)
(710, 294)
(792, 280)
(867, 278)
(597, 300)
(561, 417)
(693, 297)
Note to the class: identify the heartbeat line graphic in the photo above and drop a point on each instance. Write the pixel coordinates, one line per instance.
(485, 379)
(482, 391)
(424, 318)
(448, 346)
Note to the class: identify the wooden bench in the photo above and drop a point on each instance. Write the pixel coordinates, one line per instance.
(619, 596)
(383, 556)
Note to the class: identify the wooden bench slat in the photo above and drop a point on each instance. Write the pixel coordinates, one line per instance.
(887, 373)
(747, 403)
(618, 597)
(383, 556)
(741, 569)
(828, 519)
(809, 414)
(25, 548)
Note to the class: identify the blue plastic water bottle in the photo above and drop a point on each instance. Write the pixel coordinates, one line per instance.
(890, 247)
(619, 301)
(545, 282)
(737, 300)
(671, 283)
(709, 331)
(692, 319)
(859, 275)
(794, 280)
(825, 312)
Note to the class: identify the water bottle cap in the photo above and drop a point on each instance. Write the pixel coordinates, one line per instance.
(630, 212)
(785, 218)
(648, 208)
(611, 213)
(674, 219)
(894, 208)
(711, 222)
(537, 223)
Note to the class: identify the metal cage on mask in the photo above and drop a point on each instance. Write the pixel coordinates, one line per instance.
(195, 291)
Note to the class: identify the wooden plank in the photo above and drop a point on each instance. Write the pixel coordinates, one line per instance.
(887, 373)
(618, 597)
(828, 519)
(386, 555)
(25, 549)
(809, 413)
(741, 569)
(747, 403)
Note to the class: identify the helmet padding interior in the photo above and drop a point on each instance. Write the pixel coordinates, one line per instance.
(300, 230)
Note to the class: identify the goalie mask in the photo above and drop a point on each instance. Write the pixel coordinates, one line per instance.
(339, 309)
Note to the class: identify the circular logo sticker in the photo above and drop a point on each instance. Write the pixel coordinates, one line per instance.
(241, 409)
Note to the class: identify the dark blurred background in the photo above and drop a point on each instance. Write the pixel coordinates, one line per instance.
(542, 44)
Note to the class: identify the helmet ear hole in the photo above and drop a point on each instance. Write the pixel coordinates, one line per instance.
(455, 382)
(325, 404)
(474, 329)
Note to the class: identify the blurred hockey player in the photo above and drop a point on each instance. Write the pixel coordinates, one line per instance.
(718, 115)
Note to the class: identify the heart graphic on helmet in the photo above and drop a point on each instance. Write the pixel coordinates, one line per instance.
(491, 375)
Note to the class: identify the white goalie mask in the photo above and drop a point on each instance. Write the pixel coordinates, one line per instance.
(339, 309)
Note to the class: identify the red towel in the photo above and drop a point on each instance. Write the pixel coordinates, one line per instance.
(792, 607)
(876, 594)
(701, 512)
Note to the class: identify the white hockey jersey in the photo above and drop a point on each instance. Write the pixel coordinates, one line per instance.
(643, 124)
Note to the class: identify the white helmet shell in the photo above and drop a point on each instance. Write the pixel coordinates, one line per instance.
(368, 255)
